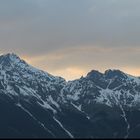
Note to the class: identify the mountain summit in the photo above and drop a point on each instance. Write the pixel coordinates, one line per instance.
(36, 104)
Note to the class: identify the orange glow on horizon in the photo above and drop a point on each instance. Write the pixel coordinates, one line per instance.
(72, 72)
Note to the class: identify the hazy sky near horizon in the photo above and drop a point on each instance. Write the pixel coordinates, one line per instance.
(71, 37)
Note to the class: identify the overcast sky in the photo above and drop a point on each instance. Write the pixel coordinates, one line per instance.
(71, 37)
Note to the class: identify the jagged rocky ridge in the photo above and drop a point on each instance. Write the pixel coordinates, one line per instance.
(35, 104)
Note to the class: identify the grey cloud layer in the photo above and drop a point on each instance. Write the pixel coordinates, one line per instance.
(41, 27)
(36, 26)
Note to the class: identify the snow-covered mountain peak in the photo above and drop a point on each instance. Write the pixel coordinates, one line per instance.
(14, 62)
(94, 74)
(108, 74)
(10, 59)
(15, 74)
(10, 56)
(15, 58)
(114, 74)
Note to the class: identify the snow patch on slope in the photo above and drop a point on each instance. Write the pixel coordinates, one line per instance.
(71, 136)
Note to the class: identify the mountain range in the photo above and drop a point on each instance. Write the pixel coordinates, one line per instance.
(36, 104)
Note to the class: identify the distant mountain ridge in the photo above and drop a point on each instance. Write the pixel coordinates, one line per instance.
(36, 104)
